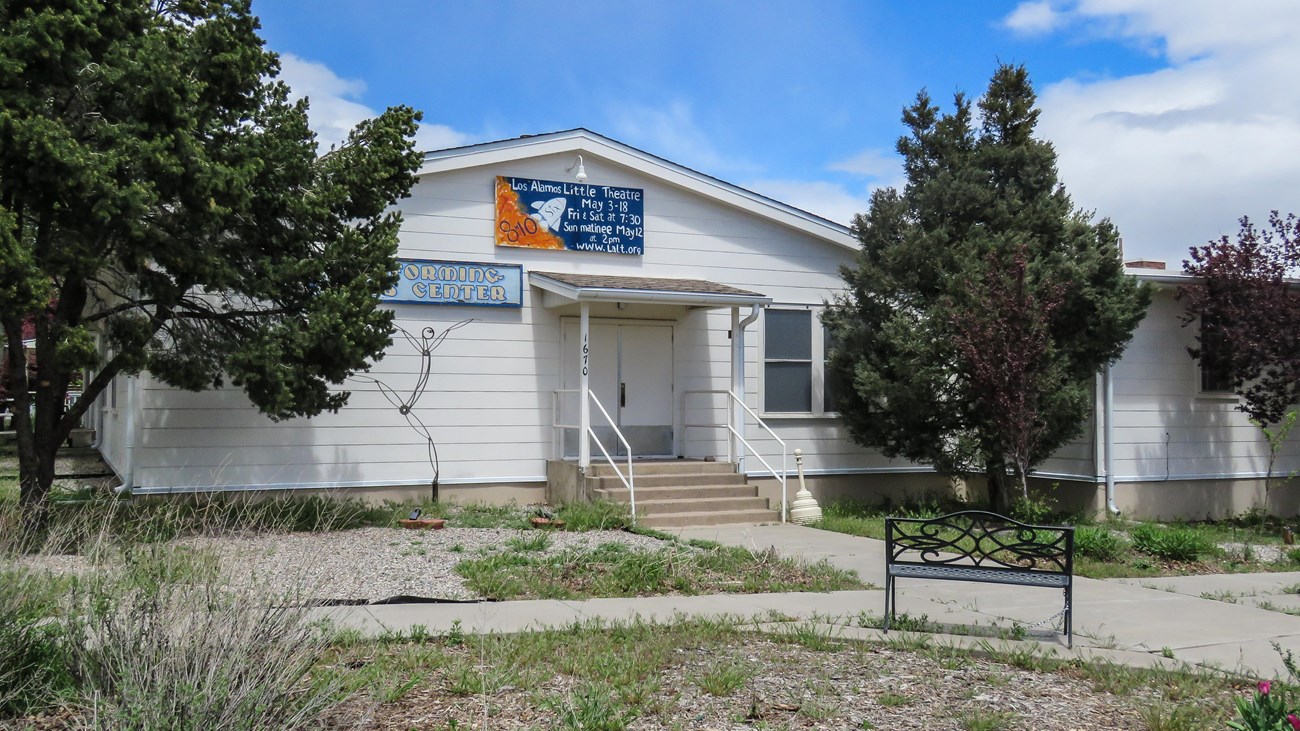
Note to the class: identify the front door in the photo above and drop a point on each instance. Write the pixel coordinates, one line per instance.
(631, 373)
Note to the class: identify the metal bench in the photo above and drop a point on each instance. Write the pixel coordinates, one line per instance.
(976, 545)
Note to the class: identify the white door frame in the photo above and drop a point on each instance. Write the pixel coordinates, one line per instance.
(585, 365)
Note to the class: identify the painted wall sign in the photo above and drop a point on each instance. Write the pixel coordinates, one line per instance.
(457, 283)
(545, 214)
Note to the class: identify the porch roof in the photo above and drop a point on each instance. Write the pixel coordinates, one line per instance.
(568, 288)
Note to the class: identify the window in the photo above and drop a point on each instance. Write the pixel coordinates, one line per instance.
(794, 368)
(1216, 373)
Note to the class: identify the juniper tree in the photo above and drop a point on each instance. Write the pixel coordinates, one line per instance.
(161, 194)
(982, 303)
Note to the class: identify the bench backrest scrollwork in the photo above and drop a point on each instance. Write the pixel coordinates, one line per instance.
(980, 539)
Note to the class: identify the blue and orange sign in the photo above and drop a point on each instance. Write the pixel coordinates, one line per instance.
(457, 283)
(546, 214)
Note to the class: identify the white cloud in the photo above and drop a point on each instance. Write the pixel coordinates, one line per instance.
(831, 201)
(1177, 155)
(873, 163)
(334, 109)
(440, 137)
(670, 131)
(1033, 18)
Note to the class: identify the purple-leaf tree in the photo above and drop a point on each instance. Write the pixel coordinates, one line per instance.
(1250, 318)
(1250, 324)
(1003, 342)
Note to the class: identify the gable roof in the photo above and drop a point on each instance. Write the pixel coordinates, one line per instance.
(587, 142)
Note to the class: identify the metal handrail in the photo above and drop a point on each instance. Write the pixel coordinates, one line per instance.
(627, 481)
(781, 476)
(557, 444)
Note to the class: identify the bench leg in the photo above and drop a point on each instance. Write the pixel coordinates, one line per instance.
(1069, 620)
(890, 600)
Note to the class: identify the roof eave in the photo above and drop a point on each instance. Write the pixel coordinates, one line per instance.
(585, 141)
(645, 296)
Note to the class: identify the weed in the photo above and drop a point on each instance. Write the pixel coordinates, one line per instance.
(812, 635)
(591, 708)
(893, 700)
(530, 541)
(985, 720)
(34, 653)
(1221, 596)
(596, 515)
(612, 569)
(1172, 717)
(723, 680)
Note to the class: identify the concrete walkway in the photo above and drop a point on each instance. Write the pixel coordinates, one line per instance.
(1133, 621)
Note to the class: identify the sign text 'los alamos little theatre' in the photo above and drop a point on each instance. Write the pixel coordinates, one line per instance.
(546, 214)
(457, 283)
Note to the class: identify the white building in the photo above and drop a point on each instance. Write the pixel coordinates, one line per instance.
(572, 253)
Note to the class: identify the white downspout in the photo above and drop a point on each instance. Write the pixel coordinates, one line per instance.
(1108, 438)
(130, 434)
(738, 379)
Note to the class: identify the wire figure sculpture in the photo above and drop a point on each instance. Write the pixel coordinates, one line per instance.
(405, 403)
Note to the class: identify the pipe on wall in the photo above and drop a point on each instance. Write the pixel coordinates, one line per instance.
(1108, 438)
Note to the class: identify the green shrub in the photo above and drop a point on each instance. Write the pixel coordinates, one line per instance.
(1033, 510)
(1098, 543)
(34, 653)
(1172, 543)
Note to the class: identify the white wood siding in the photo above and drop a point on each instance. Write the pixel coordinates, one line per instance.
(488, 405)
(1165, 428)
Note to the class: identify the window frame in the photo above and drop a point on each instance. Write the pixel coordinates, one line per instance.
(817, 365)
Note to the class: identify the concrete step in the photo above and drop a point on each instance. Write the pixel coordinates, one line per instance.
(700, 505)
(665, 467)
(724, 517)
(675, 492)
(671, 480)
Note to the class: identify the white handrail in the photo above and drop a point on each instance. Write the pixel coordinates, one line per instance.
(781, 476)
(628, 481)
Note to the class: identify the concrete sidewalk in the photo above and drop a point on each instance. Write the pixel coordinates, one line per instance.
(1153, 616)
(1135, 621)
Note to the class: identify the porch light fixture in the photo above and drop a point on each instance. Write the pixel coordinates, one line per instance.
(582, 172)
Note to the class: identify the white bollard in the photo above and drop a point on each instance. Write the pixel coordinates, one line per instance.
(804, 509)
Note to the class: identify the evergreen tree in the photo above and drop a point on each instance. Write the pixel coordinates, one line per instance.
(160, 193)
(982, 303)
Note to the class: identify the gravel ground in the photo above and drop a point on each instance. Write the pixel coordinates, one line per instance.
(367, 564)
(1261, 553)
(787, 686)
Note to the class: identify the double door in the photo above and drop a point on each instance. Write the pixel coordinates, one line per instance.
(631, 373)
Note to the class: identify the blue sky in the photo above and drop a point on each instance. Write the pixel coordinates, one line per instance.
(1173, 118)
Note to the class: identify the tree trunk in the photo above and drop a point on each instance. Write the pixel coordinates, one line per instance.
(39, 426)
(999, 482)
